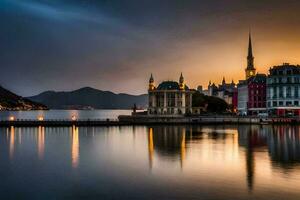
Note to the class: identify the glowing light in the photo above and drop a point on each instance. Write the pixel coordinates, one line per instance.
(12, 118)
(41, 118)
(74, 118)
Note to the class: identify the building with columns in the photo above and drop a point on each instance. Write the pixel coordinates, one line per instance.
(283, 89)
(169, 98)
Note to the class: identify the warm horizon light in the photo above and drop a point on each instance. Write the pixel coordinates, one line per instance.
(103, 42)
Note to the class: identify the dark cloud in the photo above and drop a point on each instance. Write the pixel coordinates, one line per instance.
(115, 44)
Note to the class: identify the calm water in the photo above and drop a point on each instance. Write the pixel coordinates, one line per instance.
(64, 114)
(157, 162)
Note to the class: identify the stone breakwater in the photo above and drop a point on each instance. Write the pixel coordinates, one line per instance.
(146, 119)
(126, 120)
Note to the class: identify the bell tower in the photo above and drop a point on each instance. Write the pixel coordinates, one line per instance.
(250, 70)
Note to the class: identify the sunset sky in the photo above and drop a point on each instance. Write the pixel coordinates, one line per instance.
(116, 44)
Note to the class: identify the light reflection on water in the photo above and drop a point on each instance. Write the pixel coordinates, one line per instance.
(155, 162)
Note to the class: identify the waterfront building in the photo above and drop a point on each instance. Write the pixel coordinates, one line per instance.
(283, 85)
(257, 94)
(242, 105)
(252, 95)
(169, 98)
(251, 91)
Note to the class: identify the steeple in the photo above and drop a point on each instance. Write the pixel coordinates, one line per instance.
(151, 83)
(181, 82)
(250, 54)
(223, 81)
(181, 79)
(250, 70)
(151, 80)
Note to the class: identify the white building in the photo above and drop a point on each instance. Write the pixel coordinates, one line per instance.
(169, 98)
(242, 106)
(283, 90)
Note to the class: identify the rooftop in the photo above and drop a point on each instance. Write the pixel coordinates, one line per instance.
(170, 85)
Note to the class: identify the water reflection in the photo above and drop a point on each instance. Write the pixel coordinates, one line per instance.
(11, 142)
(211, 161)
(75, 147)
(284, 145)
(167, 141)
(150, 146)
(281, 142)
(41, 142)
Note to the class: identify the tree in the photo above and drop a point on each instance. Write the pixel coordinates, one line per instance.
(214, 104)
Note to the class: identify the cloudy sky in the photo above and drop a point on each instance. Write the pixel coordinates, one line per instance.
(116, 44)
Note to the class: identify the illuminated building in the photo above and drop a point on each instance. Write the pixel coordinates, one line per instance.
(169, 98)
(283, 85)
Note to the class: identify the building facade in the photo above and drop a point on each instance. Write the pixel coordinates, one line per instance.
(252, 90)
(225, 91)
(169, 98)
(283, 88)
(257, 94)
(242, 105)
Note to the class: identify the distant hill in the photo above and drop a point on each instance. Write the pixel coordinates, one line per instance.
(89, 98)
(11, 101)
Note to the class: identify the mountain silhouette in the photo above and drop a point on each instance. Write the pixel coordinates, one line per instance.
(89, 98)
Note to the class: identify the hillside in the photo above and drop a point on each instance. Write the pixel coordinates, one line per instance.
(89, 98)
(11, 101)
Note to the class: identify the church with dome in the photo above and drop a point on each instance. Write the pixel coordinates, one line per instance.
(169, 98)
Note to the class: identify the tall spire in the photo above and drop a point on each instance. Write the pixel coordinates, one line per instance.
(250, 55)
(250, 70)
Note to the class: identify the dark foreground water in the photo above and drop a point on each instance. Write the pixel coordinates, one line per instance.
(158, 162)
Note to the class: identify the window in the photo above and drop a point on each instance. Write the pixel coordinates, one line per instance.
(288, 103)
(288, 92)
(296, 103)
(281, 103)
(274, 103)
(275, 92)
(296, 93)
(280, 92)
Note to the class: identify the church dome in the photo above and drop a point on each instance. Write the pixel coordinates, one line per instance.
(170, 85)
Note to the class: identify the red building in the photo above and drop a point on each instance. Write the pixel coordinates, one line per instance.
(257, 90)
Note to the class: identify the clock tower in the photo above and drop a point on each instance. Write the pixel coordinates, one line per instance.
(250, 70)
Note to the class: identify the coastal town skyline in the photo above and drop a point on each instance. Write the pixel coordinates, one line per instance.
(99, 46)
